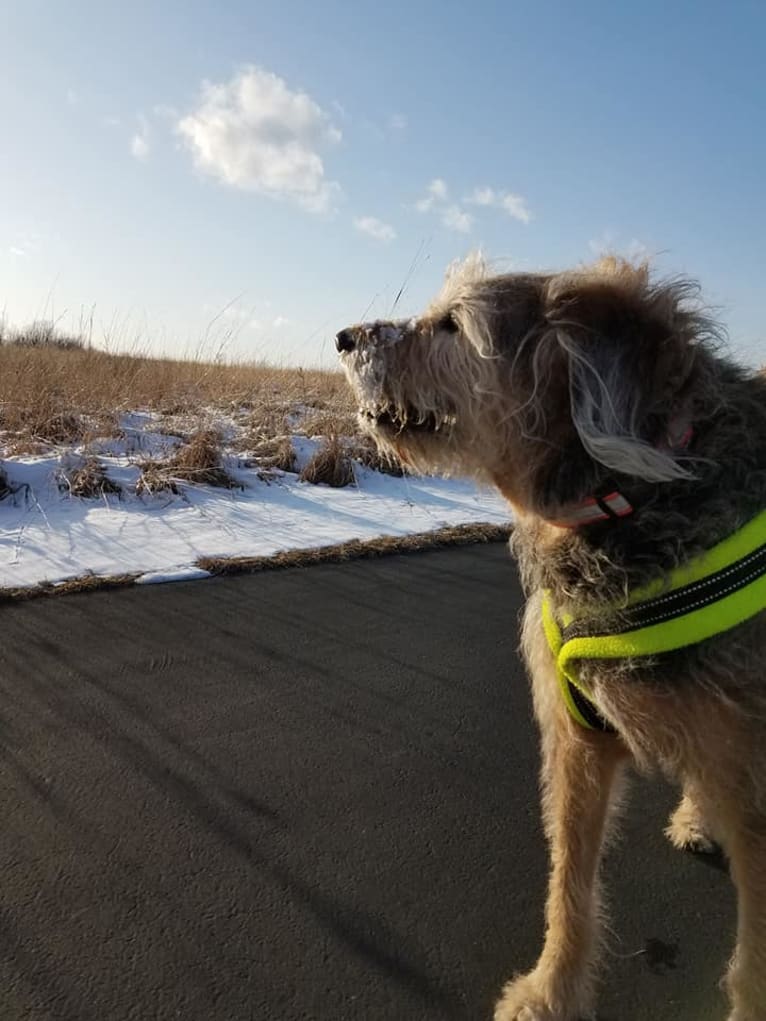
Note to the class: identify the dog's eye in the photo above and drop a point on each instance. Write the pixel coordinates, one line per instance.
(448, 323)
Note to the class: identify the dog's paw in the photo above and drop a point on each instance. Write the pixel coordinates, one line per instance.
(687, 831)
(525, 999)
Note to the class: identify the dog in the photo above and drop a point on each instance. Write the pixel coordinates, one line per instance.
(632, 453)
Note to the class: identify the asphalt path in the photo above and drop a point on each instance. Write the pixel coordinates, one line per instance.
(308, 794)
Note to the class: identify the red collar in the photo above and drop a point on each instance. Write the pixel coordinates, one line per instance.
(593, 509)
(614, 505)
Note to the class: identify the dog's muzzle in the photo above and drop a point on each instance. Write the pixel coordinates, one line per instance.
(377, 334)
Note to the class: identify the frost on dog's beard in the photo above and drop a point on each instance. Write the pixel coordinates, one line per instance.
(391, 407)
(422, 385)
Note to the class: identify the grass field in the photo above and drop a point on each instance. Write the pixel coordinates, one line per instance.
(58, 394)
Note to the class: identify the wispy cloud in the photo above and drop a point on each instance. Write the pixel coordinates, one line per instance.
(481, 197)
(637, 251)
(514, 205)
(603, 243)
(436, 200)
(390, 128)
(140, 145)
(435, 192)
(375, 228)
(457, 219)
(255, 133)
(254, 316)
(24, 246)
(340, 110)
(607, 243)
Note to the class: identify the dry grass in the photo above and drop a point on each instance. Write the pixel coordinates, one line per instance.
(87, 478)
(199, 461)
(41, 333)
(85, 583)
(368, 454)
(356, 549)
(52, 395)
(331, 465)
(273, 454)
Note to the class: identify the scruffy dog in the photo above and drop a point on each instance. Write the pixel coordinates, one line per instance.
(629, 451)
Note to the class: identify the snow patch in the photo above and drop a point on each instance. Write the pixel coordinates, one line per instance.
(50, 536)
(186, 573)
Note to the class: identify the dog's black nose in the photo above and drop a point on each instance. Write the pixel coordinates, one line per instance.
(345, 340)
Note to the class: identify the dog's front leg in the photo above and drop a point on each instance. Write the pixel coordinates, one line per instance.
(578, 776)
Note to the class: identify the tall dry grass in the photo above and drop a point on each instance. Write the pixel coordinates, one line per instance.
(51, 395)
(57, 392)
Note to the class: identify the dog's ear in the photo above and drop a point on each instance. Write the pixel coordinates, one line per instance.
(629, 348)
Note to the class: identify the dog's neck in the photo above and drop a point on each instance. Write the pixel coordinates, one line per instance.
(609, 504)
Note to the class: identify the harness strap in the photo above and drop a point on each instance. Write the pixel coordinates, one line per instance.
(711, 594)
(580, 705)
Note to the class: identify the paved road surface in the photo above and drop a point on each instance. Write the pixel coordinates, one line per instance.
(303, 795)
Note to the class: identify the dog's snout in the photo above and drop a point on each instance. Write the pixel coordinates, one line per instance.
(345, 340)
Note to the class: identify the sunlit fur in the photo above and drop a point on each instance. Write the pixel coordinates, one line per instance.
(553, 386)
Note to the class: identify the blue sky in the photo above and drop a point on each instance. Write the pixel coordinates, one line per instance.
(250, 177)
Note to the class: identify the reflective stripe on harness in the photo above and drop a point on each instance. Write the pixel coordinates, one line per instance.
(711, 594)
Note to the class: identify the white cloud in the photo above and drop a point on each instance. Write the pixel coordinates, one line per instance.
(280, 321)
(514, 205)
(481, 197)
(457, 219)
(438, 188)
(452, 216)
(140, 146)
(435, 193)
(256, 134)
(397, 123)
(375, 228)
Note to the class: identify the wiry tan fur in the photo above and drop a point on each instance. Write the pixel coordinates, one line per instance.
(553, 386)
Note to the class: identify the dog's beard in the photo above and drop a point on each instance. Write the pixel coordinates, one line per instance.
(390, 420)
(390, 410)
(421, 399)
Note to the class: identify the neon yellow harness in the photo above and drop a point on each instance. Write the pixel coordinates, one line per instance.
(711, 594)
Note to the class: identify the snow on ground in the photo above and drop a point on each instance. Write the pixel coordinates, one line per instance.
(47, 535)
